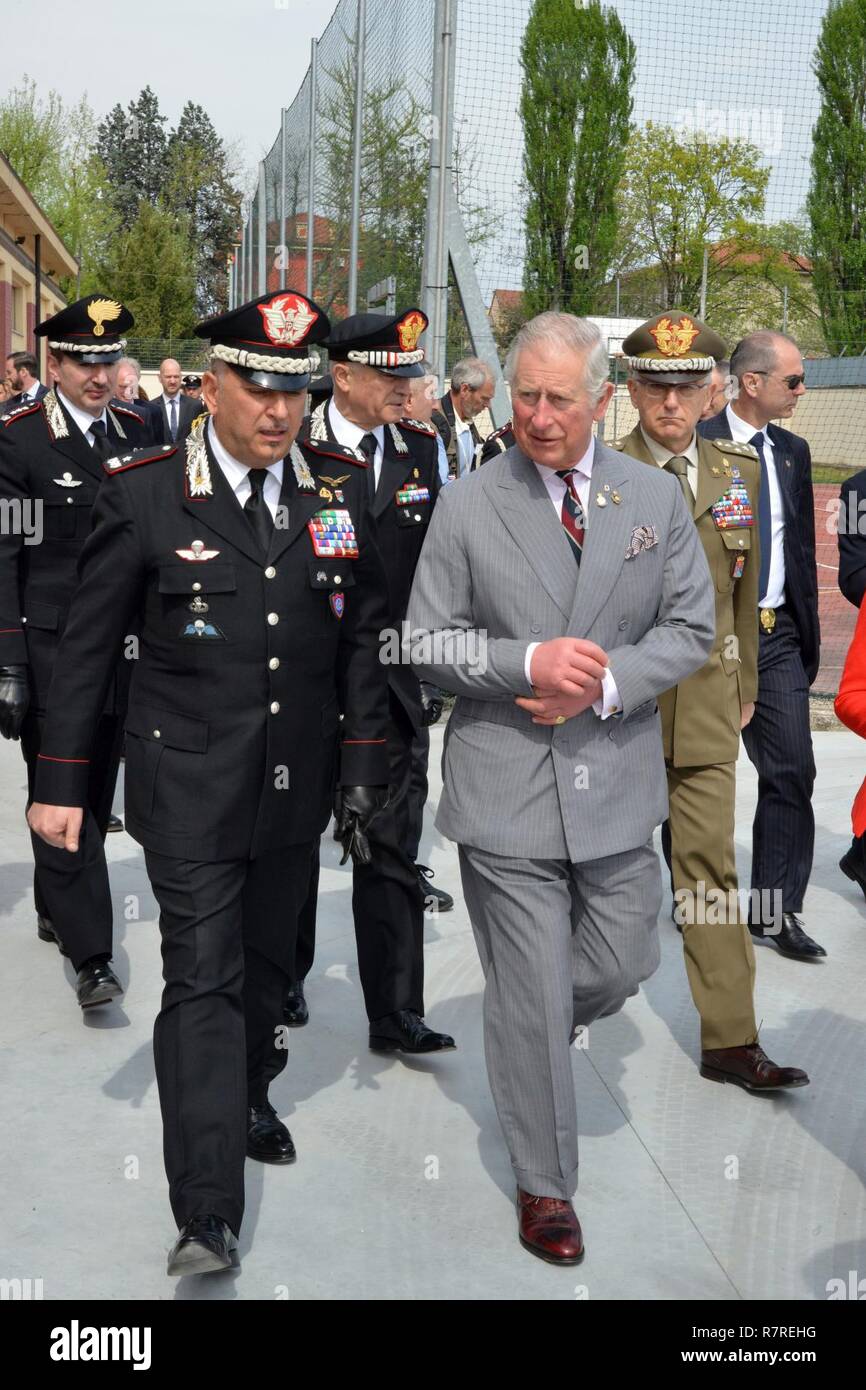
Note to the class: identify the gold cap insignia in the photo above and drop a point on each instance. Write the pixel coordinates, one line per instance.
(102, 311)
(409, 330)
(674, 339)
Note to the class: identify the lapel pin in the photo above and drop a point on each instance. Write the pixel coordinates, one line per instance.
(326, 493)
(607, 487)
(600, 499)
(716, 471)
(615, 497)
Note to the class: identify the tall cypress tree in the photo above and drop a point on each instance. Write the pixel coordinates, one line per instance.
(132, 146)
(837, 196)
(578, 66)
(199, 187)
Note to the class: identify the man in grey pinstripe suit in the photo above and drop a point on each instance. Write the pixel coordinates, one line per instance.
(560, 590)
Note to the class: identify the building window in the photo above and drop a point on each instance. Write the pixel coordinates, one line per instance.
(18, 310)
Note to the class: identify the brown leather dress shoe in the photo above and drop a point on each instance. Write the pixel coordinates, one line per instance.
(549, 1229)
(751, 1068)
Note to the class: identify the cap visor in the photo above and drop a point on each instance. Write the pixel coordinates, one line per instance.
(96, 359)
(273, 381)
(414, 369)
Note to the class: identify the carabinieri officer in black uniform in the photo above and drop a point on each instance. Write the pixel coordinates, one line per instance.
(51, 465)
(260, 599)
(372, 359)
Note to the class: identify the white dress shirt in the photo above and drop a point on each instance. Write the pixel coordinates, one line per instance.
(743, 433)
(237, 474)
(663, 454)
(30, 393)
(81, 417)
(350, 436)
(465, 443)
(610, 702)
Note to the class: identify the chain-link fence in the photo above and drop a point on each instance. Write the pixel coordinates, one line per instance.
(714, 163)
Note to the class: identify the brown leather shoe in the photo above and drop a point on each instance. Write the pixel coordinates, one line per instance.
(549, 1229)
(751, 1068)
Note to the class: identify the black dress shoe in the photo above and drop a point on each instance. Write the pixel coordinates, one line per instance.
(45, 931)
(204, 1246)
(444, 901)
(406, 1031)
(268, 1140)
(114, 824)
(853, 864)
(295, 1011)
(791, 940)
(96, 984)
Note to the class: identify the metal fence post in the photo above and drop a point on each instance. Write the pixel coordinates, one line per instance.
(357, 145)
(311, 164)
(434, 290)
(263, 233)
(283, 251)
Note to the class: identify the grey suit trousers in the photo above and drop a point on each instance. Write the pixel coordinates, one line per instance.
(561, 945)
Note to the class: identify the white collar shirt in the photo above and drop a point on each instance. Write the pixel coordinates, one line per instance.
(237, 474)
(81, 417)
(743, 433)
(347, 433)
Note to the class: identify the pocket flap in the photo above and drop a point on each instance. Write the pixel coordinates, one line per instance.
(417, 515)
(331, 574)
(737, 538)
(213, 579)
(168, 727)
(42, 615)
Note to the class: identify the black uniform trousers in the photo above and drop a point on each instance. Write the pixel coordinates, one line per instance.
(72, 890)
(387, 903)
(228, 945)
(417, 792)
(779, 742)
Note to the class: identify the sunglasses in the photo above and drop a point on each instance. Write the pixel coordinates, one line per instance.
(792, 381)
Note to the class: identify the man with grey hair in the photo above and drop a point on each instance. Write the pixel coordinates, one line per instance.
(128, 377)
(720, 389)
(770, 379)
(472, 390)
(560, 589)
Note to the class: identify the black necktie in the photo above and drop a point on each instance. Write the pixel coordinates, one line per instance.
(256, 508)
(765, 518)
(368, 448)
(102, 445)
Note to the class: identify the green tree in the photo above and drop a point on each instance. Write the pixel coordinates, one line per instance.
(133, 147)
(200, 186)
(153, 272)
(578, 66)
(31, 132)
(680, 195)
(837, 196)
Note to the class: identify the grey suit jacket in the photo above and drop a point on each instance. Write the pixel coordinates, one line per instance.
(497, 573)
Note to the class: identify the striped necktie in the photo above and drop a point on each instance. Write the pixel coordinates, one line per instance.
(572, 516)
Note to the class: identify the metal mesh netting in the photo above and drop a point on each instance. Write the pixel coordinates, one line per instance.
(725, 100)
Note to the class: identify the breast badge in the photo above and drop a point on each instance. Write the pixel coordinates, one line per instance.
(333, 534)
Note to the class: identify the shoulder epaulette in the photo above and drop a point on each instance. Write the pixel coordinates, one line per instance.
(420, 426)
(618, 444)
(152, 454)
(503, 430)
(18, 412)
(123, 410)
(330, 449)
(729, 446)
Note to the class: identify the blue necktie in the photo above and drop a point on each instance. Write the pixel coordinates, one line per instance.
(765, 517)
(172, 424)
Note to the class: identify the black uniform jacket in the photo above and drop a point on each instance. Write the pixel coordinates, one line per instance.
(246, 660)
(852, 543)
(794, 470)
(408, 487)
(50, 475)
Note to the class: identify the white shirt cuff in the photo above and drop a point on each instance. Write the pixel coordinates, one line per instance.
(527, 662)
(610, 702)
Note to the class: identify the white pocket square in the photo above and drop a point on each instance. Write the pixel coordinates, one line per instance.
(642, 538)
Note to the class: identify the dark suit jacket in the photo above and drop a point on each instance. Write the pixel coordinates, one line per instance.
(47, 464)
(794, 471)
(188, 411)
(14, 401)
(446, 406)
(401, 525)
(221, 704)
(852, 545)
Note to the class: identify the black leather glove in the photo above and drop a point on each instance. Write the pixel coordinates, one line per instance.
(14, 699)
(354, 809)
(432, 704)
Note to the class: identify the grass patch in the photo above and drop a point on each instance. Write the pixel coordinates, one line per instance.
(830, 473)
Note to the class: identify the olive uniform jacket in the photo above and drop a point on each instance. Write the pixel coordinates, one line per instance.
(247, 658)
(701, 715)
(50, 472)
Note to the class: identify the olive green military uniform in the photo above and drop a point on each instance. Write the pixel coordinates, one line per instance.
(701, 716)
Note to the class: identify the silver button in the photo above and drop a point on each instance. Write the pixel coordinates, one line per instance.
(274, 663)
(275, 707)
(273, 619)
(740, 541)
(417, 516)
(270, 572)
(196, 588)
(338, 579)
(157, 734)
(623, 625)
(69, 499)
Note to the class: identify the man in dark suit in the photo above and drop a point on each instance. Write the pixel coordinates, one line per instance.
(260, 596)
(22, 374)
(51, 458)
(851, 535)
(373, 360)
(171, 413)
(769, 373)
(472, 390)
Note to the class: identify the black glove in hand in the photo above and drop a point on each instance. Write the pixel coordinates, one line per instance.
(432, 705)
(354, 809)
(14, 699)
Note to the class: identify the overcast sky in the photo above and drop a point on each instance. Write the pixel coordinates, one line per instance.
(239, 59)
